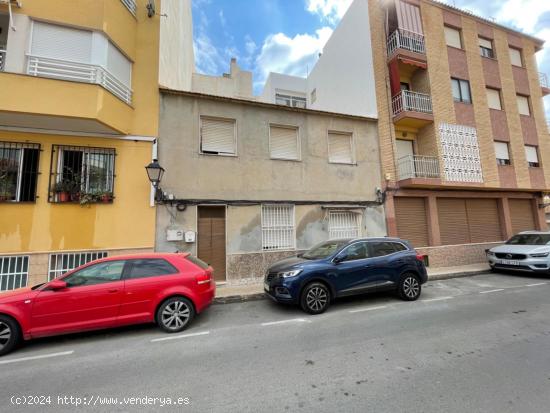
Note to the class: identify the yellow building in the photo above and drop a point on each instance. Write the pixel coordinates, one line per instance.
(79, 108)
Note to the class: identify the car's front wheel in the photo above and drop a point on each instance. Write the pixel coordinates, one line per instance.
(175, 314)
(409, 287)
(9, 334)
(315, 298)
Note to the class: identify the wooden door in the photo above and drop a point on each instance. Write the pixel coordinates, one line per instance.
(211, 238)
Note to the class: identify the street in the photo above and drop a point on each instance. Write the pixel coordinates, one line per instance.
(475, 344)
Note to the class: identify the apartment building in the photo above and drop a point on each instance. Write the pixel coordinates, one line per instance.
(247, 183)
(464, 144)
(78, 122)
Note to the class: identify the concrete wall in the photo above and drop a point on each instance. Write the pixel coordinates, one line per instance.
(237, 83)
(284, 83)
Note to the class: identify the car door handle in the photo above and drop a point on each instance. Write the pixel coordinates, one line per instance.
(113, 291)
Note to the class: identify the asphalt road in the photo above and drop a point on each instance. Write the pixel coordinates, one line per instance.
(477, 344)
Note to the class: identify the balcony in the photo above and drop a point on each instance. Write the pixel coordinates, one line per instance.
(2, 58)
(543, 78)
(418, 166)
(406, 40)
(412, 109)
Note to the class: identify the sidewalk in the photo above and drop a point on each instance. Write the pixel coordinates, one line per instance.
(238, 293)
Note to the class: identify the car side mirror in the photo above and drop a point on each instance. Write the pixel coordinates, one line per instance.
(300, 254)
(57, 285)
(339, 258)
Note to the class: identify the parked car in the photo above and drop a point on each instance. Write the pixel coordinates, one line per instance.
(168, 289)
(345, 267)
(527, 251)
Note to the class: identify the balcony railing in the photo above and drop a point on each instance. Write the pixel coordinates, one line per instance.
(130, 5)
(411, 101)
(79, 72)
(418, 166)
(544, 80)
(404, 39)
(2, 58)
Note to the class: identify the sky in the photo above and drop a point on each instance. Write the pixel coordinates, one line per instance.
(286, 36)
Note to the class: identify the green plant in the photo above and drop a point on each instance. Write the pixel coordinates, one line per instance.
(65, 185)
(88, 198)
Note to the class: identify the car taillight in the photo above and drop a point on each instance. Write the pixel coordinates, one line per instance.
(420, 257)
(205, 277)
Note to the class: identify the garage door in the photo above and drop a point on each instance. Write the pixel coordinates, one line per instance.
(453, 221)
(411, 220)
(521, 213)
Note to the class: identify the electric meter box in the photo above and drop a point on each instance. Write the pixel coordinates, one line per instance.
(174, 234)
(190, 236)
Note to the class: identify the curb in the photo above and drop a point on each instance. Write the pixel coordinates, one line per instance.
(243, 298)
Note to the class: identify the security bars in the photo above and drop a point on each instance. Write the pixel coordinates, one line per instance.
(62, 263)
(18, 171)
(14, 272)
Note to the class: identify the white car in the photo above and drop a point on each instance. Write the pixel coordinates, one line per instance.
(527, 251)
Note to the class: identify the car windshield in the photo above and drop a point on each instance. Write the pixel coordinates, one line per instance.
(324, 249)
(529, 239)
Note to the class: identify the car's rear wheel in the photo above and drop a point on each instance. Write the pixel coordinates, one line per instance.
(10, 334)
(175, 314)
(409, 287)
(315, 298)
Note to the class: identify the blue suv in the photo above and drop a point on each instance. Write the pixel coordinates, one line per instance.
(345, 267)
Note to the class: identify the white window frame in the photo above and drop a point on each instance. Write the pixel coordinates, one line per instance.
(502, 161)
(290, 100)
(266, 228)
(235, 134)
(335, 232)
(520, 53)
(71, 260)
(298, 142)
(14, 279)
(482, 45)
(536, 150)
(352, 144)
(499, 98)
(518, 97)
(459, 32)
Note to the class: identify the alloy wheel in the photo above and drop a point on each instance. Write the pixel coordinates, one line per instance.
(175, 315)
(5, 334)
(316, 298)
(411, 287)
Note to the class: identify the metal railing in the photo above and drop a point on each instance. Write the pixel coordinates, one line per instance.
(130, 5)
(544, 80)
(78, 72)
(2, 58)
(411, 101)
(404, 39)
(418, 166)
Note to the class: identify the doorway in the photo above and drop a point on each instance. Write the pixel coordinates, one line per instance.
(211, 239)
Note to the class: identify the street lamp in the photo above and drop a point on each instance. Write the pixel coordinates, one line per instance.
(155, 173)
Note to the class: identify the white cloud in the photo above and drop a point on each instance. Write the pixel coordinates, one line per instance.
(329, 10)
(222, 18)
(250, 45)
(523, 14)
(291, 56)
(208, 59)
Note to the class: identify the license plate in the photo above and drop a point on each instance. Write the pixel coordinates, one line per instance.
(266, 287)
(509, 262)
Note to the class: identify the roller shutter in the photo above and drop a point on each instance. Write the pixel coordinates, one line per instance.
(283, 142)
(411, 220)
(483, 220)
(453, 221)
(340, 148)
(521, 213)
(62, 43)
(218, 136)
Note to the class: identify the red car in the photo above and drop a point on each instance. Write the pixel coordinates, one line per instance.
(168, 289)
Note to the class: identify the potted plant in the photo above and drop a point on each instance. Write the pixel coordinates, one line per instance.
(88, 198)
(63, 190)
(106, 197)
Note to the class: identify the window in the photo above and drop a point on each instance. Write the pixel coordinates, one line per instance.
(152, 267)
(380, 249)
(284, 142)
(356, 251)
(515, 57)
(523, 105)
(340, 148)
(461, 90)
(82, 174)
(65, 262)
(532, 156)
(197, 261)
(130, 5)
(493, 99)
(218, 136)
(343, 224)
(452, 37)
(290, 100)
(101, 273)
(502, 153)
(18, 171)
(486, 47)
(277, 227)
(14, 272)
(399, 247)
(313, 95)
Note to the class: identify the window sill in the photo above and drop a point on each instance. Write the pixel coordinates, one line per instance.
(285, 159)
(525, 116)
(343, 163)
(456, 48)
(494, 59)
(225, 155)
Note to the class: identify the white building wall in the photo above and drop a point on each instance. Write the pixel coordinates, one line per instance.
(286, 84)
(18, 44)
(177, 59)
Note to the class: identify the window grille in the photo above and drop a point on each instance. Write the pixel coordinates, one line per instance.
(130, 5)
(278, 227)
(82, 174)
(14, 272)
(18, 171)
(62, 263)
(343, 224)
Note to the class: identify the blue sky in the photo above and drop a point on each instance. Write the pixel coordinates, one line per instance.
(287, 35)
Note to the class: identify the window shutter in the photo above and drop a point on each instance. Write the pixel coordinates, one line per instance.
(283, 142)
(119, 65)
(531, 154)
(483, 220)
(218, 136)
(340, 148)
(63, 43)
(485, 43)
(493, 99)
(501, 150)
(515, 56)
(521, 213)
(411, 220)
(453, 221)
(523, 105)
(452, 36)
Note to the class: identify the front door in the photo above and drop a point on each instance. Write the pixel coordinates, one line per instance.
(211, 238)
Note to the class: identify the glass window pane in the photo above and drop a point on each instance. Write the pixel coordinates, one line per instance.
(456, 89)
(151, 268)
(103, 272)
(465, 91)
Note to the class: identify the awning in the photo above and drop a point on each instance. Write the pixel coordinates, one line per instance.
(413, 62)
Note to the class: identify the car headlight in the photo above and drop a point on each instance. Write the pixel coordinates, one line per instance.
(286, 274)
(539, 255)
(490, 253)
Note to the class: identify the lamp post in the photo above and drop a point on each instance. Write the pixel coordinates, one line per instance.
(155, 173)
